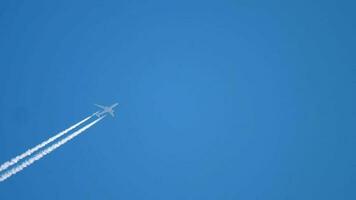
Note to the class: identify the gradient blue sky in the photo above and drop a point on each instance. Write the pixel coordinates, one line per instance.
(219, 99)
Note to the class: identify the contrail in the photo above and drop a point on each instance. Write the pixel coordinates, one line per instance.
(39, 146)
(46, 151)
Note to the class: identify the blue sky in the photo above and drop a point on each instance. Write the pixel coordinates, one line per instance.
(218, 99)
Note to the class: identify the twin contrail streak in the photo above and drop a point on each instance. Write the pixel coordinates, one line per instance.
(46, 151)
(39, 146)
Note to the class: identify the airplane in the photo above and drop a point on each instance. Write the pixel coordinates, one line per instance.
(106, 109)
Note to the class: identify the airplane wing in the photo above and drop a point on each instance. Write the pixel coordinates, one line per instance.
(102, 107)
(112, 114)
(113, 106)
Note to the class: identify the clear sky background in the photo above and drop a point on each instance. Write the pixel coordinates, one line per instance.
(219, 99)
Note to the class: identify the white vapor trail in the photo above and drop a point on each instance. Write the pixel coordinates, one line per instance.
(39, 146)
(46, 151)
